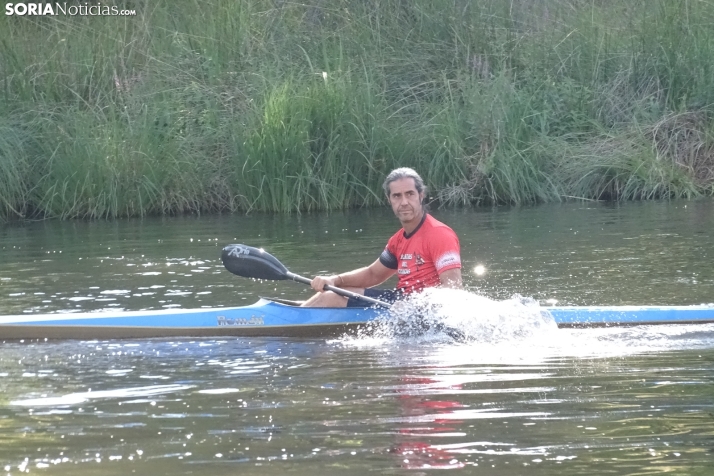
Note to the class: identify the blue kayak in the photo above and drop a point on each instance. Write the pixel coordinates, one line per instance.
(285, 318)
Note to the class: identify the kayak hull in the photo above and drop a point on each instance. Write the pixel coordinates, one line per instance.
(607, 316)
(284, 319)
(264, 318)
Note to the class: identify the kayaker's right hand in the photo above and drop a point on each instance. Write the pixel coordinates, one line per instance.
(319, 282)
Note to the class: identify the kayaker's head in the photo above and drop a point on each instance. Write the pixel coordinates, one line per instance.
(406, 192)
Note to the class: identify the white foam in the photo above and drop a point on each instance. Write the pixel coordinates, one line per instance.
(455, 314)
(470, 328)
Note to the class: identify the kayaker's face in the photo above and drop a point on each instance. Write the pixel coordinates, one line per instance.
(405, 200)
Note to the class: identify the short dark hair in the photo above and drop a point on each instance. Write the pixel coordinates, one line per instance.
(404, 172)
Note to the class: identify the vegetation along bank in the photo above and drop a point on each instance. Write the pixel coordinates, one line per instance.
(269, 105)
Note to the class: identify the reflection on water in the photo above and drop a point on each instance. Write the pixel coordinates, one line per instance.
(222, 406)
(84, 397)
(517, 395)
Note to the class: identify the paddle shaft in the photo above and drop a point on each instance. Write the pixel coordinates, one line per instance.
(340, 291)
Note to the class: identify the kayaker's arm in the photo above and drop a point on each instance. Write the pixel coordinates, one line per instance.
(451, 278)
(372, 275)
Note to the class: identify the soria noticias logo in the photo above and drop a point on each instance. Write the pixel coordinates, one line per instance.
(63, 8)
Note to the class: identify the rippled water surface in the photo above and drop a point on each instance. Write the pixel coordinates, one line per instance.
(523, 398)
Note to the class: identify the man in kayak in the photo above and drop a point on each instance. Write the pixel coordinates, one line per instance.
(424, 253)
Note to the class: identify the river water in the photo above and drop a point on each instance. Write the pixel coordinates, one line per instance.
(523, 398)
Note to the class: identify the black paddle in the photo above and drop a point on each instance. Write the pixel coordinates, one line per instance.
(252, 262)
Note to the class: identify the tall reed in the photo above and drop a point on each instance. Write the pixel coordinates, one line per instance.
(281, 106)
(15, 165)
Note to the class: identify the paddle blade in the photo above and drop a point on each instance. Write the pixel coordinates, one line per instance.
(251, 262)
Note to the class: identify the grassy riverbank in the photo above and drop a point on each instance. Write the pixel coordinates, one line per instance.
(272, 105)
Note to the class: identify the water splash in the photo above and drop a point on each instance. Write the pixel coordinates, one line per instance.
(512, 331)
(439, 315)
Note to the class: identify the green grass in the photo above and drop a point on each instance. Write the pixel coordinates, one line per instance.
(196, 107)
(14, 170)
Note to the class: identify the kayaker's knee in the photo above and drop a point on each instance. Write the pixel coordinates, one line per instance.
(326, 299)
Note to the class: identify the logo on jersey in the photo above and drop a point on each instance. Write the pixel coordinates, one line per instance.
(448, 259)
(419, 260)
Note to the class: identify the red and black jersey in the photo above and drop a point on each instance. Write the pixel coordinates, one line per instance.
(422, 255)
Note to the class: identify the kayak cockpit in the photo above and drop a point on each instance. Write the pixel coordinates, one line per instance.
(286, 302)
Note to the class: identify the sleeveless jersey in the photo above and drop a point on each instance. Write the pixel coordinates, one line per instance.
(420, 257)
